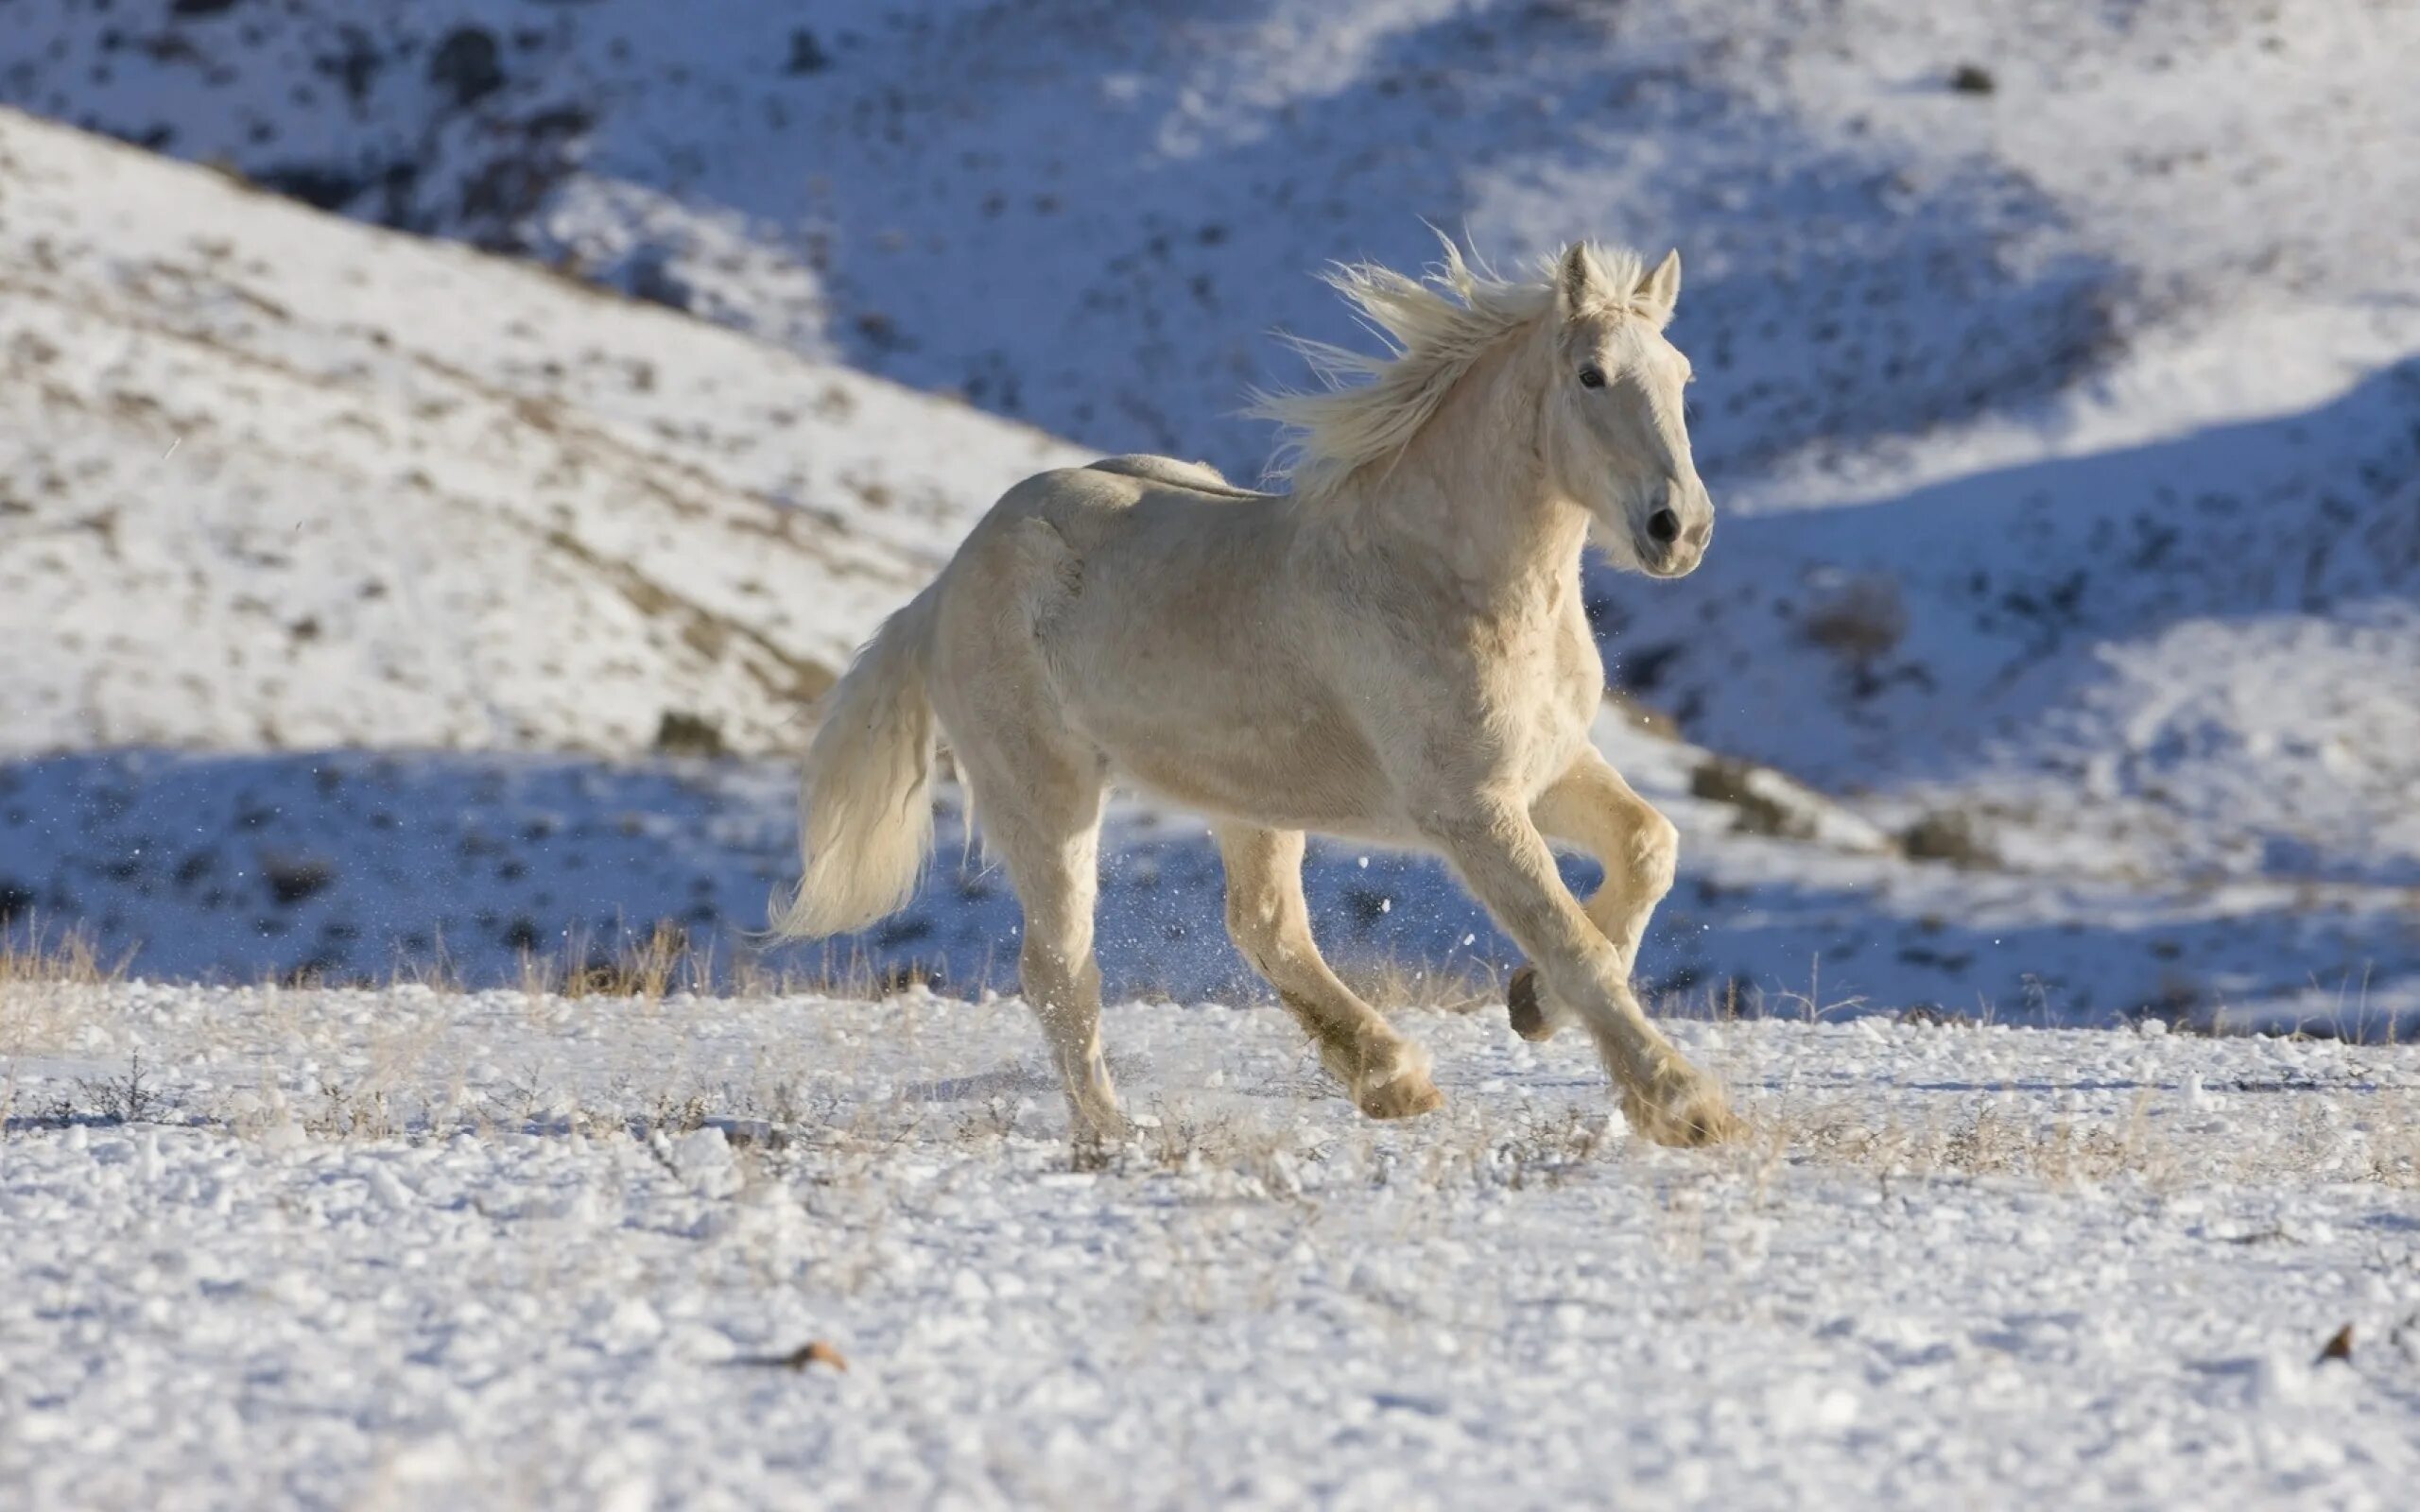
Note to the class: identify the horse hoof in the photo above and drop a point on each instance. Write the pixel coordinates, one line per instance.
(1688, 1117)
(1521, 1001)
(1093, 1135)
(1407, 1096)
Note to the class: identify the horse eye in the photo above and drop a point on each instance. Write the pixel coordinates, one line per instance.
(1592, 377)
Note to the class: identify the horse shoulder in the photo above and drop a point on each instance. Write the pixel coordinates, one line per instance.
(1579, 663)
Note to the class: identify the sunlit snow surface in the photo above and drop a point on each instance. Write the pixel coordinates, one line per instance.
(404, 1249)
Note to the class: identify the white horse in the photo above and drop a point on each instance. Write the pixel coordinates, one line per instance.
(1395, 651)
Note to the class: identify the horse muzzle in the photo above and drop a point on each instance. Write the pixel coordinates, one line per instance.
(1671, 544)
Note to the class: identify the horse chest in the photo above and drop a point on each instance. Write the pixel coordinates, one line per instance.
(1564, 698)
(1545, 688)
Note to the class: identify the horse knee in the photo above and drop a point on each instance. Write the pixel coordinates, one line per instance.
(1654, 855)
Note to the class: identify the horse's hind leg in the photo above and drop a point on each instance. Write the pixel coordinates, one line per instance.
(1040, 808)
(1590, 806)
(1386, 1075)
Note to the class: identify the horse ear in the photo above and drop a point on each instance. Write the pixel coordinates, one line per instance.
(1660, 290)
(1576, 280)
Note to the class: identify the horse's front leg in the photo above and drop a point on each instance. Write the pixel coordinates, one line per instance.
(1493, 842)
(1590, 806)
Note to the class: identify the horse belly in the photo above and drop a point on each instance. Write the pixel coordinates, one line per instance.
(1289, 764)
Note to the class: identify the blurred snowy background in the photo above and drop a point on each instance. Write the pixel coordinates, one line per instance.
(445, 447)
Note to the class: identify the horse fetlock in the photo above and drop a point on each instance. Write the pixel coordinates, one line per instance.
(1093, 1118)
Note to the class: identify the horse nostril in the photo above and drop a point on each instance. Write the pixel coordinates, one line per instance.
(1663, 525)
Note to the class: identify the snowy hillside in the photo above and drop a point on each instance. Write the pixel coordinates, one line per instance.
(272, 479)
(1090, 213)
(408, 1249)
(2057, 387)
(2198, 655)
(355, 866)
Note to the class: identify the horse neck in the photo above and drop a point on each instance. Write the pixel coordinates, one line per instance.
(1469, 493)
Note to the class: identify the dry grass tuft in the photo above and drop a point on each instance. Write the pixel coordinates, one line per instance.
(669, 959)
(2065, 1150)
(33, 956)
(644, 969)
(1394, 983)
(34, 965)
(1987, 1141)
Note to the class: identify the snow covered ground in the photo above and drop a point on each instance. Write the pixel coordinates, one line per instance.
(406, 1248)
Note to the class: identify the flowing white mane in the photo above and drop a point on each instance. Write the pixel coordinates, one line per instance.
(1437, 327)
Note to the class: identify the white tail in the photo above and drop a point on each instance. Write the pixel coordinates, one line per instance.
(865, 805)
